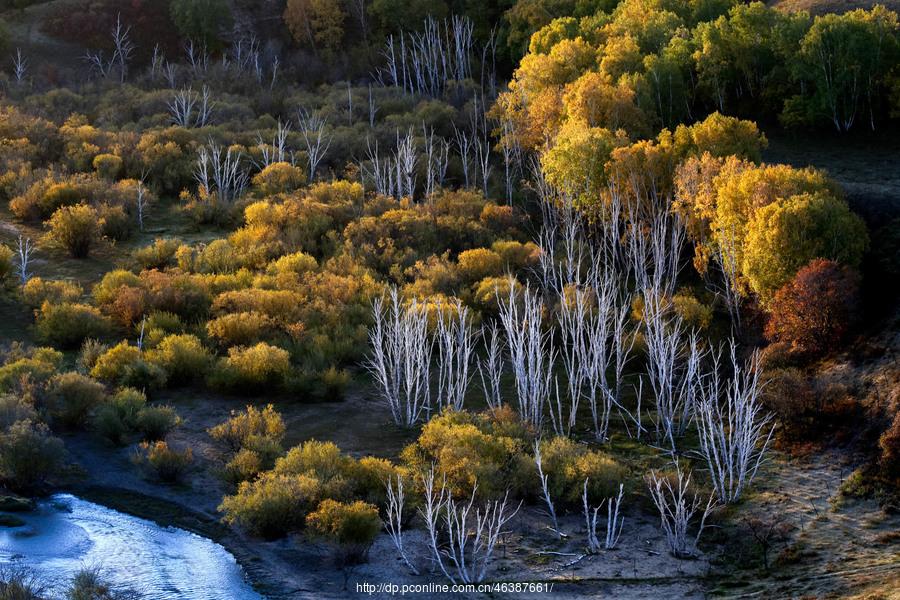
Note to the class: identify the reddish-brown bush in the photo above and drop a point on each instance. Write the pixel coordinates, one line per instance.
(815, 310)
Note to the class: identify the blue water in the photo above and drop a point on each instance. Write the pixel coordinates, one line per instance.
(65, 534)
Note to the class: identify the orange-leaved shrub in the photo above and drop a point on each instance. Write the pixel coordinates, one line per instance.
(816, 309)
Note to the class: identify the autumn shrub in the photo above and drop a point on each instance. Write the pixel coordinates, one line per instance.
(6, 263)
(352, 527)
(691, 310)
(107, 290)
(815, 310)
(37, 291)
(158, 255)
(786, 235)
(71, 397)
(165, 463)
(243, 329)
(67, 325)
(115, 223)
(490, 292)
(75, 228)
(46, 196)
(272, 505)
(476, 264)
(15, 407)
(125, 295)
(29, 456)
(464, 449)
(370, 475)
(158, 325)
(182, 357)
(298, 263)
(155, 422)
(516, 255)
(279, 178)
(124, 365)
(250, 369)
(244, 465)
(118, 416)
(90, 351)
(278, 500)
(240, 429)
(567, 464)
(35, 367)
(323, 461)
(108, 166)
(218, 256)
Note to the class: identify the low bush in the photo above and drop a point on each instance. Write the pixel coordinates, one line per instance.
(242, 329)
(71, 397)
(245, 465)
(279, 178)
(35, 368)
(167, 464)
(20, 583)
(240, 430)
(88, 584)
(182, 357)
(567, 464)
(790, 396)
(471, 449)
(272, 505)
(14, 408)
(155, 422)
(115, 222)
(158, 255)
(29, 456)
(67, 325)
(250, 369)
(815, 310)
(116, 418)
(124, 365)
(76, 229)
(351, 527)
(37, 291)
(108, 166)
(7, 267)
(90, 351)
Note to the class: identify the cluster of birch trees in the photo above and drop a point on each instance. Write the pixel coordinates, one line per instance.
(566, 338)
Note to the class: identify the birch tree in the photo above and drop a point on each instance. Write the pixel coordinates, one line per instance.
(20, 66)
(471, 532)
(679, 507)
(220, 171)
(614, 521)
(456, 348)
(396, 501)
(24, 249)
(734, 429)
(124, 47)
(545, 488)
(490, 369)
(317, 140)
(530, 350)
(400, 357)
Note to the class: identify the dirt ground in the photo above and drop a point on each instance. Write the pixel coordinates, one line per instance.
(837, 549)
